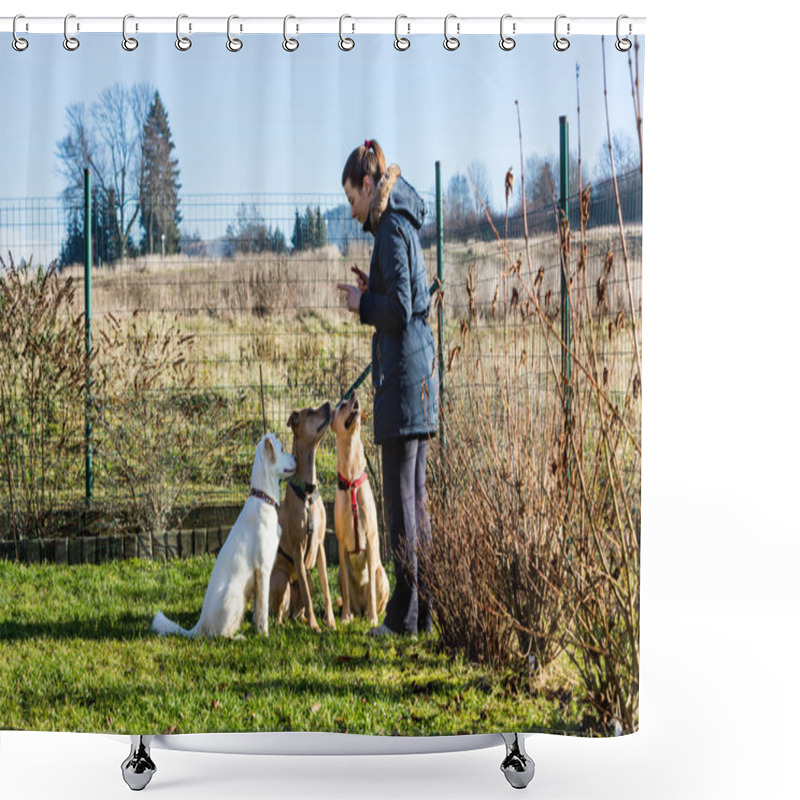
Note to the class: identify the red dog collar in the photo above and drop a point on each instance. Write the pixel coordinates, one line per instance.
(344, 485)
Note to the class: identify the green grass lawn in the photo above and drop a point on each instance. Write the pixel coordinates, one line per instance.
(76, 653)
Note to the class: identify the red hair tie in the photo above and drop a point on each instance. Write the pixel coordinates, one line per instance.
(367, 143)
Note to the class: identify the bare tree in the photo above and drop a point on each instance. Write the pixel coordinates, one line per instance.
(626, 156)
(108, 140)
(541, 175)
(542, 180)
(119, 116)
(458, 203)
(76, 151)
(478, 177)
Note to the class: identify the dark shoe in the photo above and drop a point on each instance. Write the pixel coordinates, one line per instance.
(382, 630)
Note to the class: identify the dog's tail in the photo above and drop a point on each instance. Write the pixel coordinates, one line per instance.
(166, 627)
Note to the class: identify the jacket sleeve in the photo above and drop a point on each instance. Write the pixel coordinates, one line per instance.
(390, 312)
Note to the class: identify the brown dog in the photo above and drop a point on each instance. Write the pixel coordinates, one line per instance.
(302, 520)
(362, 578)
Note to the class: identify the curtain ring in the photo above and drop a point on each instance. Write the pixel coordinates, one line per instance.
(183, 43)
(623, 45)
(345, 43)
(451, 42)
(507, 42)
(70, 42)
(128, 42)
(18, 43)
(561, 43)
(290, 45)
(233, 44)
(400, 42)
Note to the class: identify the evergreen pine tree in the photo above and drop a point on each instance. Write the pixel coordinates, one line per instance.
(105, 234)
(321, 238)
(311, 224)
(73, 250)
(277, 241)
(309, 230)
(299, 234)
(159, 185)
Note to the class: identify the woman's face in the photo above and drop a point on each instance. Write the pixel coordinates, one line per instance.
(359, 199)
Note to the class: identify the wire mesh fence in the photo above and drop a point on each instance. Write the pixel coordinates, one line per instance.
(204, 333)
(504, 307)
(480, 252)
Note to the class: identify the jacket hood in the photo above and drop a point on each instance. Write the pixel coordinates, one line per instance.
(395, 193)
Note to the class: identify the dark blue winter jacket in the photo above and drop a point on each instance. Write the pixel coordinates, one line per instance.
(397, 304)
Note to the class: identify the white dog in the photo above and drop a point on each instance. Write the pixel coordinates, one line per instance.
(244, 563)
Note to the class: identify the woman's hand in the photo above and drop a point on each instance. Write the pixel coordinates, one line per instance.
(353, 296)
(362, 278)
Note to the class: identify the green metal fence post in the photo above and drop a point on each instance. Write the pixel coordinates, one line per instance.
(566, 324)
(440, 278)
(87, 295)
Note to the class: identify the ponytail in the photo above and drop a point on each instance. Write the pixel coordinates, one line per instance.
(366, 159)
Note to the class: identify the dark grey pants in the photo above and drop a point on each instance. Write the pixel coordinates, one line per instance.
(406, 503)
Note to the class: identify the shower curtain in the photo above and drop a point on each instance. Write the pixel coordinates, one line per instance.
(175, 233)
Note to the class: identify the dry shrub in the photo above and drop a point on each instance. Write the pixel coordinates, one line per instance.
(603, 519)
(495, 570)
(535, 492)
(43, 367)
(155, 431)
(603, 462)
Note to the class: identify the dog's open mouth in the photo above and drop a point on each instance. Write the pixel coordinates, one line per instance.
(355, 411)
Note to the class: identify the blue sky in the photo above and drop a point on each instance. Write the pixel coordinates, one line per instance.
(263, 120)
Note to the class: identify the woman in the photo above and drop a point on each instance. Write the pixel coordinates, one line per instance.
(395, 300)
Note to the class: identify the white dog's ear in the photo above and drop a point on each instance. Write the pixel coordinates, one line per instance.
(269, 449)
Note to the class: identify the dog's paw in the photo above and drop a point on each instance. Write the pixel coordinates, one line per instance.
(347, 618)
(331, 623)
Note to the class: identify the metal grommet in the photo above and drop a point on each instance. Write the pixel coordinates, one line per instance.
(400, 42)
(183, 43)
(128, 42)
(507, 42)
(18, 43)
(561, 43)
(345, 43)
(70, 42)
(623, 45)
(290, 45)
(451, 42)
(233, 44)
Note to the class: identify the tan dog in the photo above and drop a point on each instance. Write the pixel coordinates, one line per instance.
(302, 520)
(362, 578)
